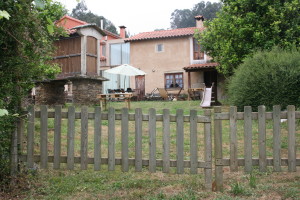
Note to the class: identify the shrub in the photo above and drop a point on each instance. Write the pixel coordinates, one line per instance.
(267, 78)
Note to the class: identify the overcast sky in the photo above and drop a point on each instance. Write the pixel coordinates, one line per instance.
(137, 15)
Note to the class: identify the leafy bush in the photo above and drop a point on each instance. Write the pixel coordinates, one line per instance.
(267, 78)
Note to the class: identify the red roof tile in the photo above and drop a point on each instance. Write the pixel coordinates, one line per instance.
(180, 32)
(201, 66)
(112, 34)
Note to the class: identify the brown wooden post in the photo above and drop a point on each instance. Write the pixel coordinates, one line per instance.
(218, 150)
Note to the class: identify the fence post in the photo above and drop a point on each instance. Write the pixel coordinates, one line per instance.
(14, 151)
(166, 140)
(44, 137)
(152, 140)
(57, 137)
(248, 138)
(111, 139)
(179, 141)
(84, 138)
(97, 139)
(262, 138)
(124, 135)
(193, 142)
(218, 149)
(30, 136)
(276, 138)
(291, 138)
(138, 139)
(71, 137)
(208, 151)
(233, 139)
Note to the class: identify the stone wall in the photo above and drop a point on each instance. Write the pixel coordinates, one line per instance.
(85, 91)
(50, 93)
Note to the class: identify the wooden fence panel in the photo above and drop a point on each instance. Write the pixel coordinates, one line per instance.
(248, 138)
(262, 138)
(111, 139)
(179, 141)
(97, 138)
(233, 139)
(193, 142)
(84, 138)
(291, 138)
(71, 137)
(138, 139)
(152, 140)
(166, 140)
(30, 136)
(44, 137)
(57, 137)
(124, 132)
(276, 138)
(218, 150)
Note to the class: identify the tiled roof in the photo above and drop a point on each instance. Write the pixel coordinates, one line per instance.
(112, 34)
(200, 66)
(180, 32)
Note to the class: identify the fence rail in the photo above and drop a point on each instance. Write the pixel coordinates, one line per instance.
(196, 124)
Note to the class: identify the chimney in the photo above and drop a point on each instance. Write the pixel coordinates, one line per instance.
(199, 21)
(122, 31)
(101, 24)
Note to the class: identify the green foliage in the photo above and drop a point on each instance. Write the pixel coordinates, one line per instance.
(238, 189)
(243, 26)
(252, 181)
(81, 12)
(26, 46)
(185, 18)
(267, 78)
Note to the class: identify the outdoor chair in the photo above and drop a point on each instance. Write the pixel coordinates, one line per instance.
(163, 93)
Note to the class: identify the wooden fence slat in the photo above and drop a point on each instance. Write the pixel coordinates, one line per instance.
(218, 149)
(208, 151)
(71, 137)
(84, 138)
(138, 139)
(111, 139)
(20, 129)
(166, 140)
(179, 141)
(97, 139)
(30, 136)
(262, 138)
(124, 135)
(233, 139)
(152, 140)
(44, 137)
(291, 139)
(248, 138)
(57, 137)
(276, 138)
(193, 142)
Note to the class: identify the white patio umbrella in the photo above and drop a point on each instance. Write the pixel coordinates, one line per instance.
(126, 70)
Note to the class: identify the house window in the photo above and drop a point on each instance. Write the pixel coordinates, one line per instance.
(119, 54)
(159, 48)
(198, 53)
(174, 80)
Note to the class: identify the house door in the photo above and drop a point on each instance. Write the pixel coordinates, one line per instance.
(140, 86)
(209, 78)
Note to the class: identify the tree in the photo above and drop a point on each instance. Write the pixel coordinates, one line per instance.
(243, 26)
(185, 18)
(275, 80)
(81, 12)
(26, 42)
